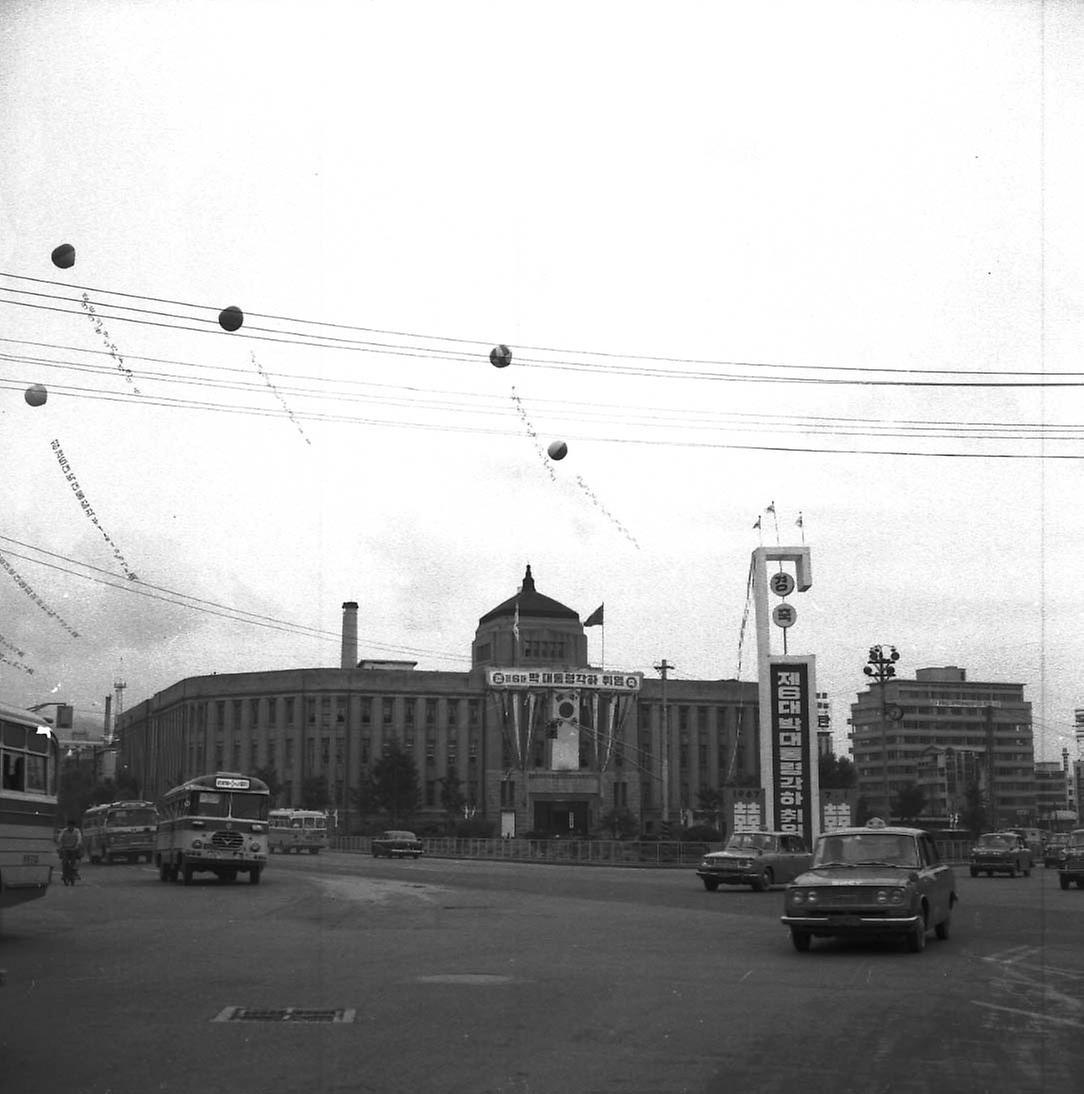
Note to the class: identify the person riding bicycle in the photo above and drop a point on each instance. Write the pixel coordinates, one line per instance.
(70, 845)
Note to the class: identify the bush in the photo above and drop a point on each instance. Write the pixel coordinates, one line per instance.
(705, 833)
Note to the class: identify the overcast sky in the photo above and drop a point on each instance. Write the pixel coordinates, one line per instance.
(822, 255)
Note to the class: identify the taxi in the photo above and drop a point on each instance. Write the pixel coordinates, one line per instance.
(1071, 862)
(878, 880)
(757, 859)
(1000, 853)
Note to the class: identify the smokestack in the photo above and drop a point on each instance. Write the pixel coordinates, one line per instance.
(107, 729)
(350, 635)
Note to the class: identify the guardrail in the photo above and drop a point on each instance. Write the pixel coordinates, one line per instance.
(648, 853)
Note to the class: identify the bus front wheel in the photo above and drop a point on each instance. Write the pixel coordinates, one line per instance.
(186, 873)
(254, 875)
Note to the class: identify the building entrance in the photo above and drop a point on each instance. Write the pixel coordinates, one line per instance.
(561, 818)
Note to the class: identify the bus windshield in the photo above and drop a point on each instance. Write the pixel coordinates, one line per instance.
(220, 803)
(132, 818)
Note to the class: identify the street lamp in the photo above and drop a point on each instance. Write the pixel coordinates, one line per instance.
(881, 666)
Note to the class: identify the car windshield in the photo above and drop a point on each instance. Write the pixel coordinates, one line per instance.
(994, 842)
(750, 841)
(865, 849)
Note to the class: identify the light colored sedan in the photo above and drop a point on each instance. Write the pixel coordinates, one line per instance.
(757, 859)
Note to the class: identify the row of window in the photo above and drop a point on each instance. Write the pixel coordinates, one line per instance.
(328, 709)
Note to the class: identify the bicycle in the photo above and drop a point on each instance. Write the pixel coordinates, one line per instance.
(69, 867)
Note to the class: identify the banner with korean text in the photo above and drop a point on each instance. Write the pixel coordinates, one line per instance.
(792, 754)
(564, 678)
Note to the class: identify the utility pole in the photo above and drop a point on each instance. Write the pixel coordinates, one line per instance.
(881, 666)
(663, 668)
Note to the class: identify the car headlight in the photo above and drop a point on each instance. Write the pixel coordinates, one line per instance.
(743, 864)
(197, 844)
(796, 896)
(704, 864)
(889, 896)
(254, 847)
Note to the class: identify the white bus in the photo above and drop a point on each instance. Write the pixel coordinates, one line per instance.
(116, 830)
(29, 766)
(215, 823)
(298, 830)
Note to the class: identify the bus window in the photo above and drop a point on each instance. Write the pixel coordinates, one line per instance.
(209, 803)
(14, 771)
(35, 774)
(249, 806)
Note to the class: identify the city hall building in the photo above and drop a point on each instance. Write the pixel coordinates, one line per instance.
(539, 740)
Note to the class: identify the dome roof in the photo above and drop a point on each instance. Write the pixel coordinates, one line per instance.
(531, 603)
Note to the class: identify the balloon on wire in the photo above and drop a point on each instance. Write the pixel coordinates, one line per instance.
(500, 356)
(231, 318)
(36, 395)
(557, 450)
(64, 256)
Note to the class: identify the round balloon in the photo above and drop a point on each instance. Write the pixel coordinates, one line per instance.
(557, 450)
(500, 356)
(64, 256)
(231, 318)
(36, 395)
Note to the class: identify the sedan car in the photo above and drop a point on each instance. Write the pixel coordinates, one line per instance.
(396, 844)
(1071, 864)
(1000, 853)
(757, 859)
(872, 881)
(1054, 847)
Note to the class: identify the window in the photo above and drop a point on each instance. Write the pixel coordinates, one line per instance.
(430, 712)
(452, 713)
(272, 710)
(253, 711)
(508, 794)
(236, 713)
(408, 712)
(388, 711)
(290, 713)
(289, 754)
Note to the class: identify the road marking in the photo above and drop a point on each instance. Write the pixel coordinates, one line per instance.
(1030, 1014)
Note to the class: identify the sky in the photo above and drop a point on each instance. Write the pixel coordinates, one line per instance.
(827, 259)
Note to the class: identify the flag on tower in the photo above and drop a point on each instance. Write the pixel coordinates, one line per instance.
(595, 618)
(515, 623)
(757, 525)
(799, 521)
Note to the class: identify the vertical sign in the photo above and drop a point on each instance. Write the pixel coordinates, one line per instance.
(792, 784)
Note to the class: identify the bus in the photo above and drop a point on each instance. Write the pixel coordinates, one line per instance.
(29, 768)
(214, 823)
(120, 830)
(298, 830)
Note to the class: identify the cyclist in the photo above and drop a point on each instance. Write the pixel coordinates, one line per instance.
(70, 846)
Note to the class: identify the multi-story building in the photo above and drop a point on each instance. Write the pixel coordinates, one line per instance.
(537, 738)
(1051, 793)
(945, 732)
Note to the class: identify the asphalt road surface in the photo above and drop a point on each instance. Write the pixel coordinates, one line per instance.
(341, 973)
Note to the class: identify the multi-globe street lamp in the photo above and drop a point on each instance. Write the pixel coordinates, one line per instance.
(881, 666)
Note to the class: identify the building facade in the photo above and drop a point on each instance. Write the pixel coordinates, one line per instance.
(538, 740)
(945, 733)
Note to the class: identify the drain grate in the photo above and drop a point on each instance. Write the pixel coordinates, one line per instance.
(299, 1015)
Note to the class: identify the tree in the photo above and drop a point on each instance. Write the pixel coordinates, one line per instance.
(836, 772)
(270, 776)
(973, 812)
(364, 795)
(620, 822)
(315, 793)
(709, 803)
(395, 782)
(452, 798)
(909, 802)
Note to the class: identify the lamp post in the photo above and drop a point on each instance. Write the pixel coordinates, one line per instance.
(881, 667)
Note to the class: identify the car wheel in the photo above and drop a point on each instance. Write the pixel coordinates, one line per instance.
(710, 884)
(186, 874)
(764, 882)
(942, 928)
(1013, 871)
(254, 875)
(1027, 871)
(1064, 882)
(801, 940)
(974, 872)
(916, 940)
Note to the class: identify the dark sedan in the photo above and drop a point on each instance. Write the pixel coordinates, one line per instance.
(397, 844)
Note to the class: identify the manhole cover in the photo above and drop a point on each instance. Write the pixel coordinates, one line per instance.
(298, 1015)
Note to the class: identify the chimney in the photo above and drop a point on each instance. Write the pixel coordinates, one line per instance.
(350, 635)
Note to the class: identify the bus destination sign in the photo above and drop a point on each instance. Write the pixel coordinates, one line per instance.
(223, 783)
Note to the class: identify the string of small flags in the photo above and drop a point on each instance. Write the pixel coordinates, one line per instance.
(84, 503)
(29, 590)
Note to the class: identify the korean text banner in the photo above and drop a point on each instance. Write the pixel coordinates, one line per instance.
(542, 678)
(788, 685)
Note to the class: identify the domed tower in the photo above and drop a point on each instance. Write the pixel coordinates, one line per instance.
(530, 629)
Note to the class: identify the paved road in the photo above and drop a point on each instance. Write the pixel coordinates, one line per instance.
(502, 978)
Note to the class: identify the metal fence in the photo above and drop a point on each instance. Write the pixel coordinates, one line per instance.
(651, 853)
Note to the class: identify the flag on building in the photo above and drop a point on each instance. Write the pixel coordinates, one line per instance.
(595, 618)
(771, 508)
(799, 521)
(757, 525)
(515, 623)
